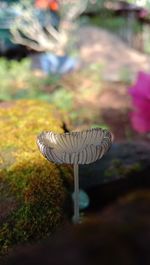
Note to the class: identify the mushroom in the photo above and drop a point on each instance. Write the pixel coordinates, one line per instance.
(75, 148)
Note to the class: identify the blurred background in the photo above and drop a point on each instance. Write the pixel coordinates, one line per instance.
(77, 55)
(69, 65)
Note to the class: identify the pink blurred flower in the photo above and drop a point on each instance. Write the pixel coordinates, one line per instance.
(140, 92)
(143, 13)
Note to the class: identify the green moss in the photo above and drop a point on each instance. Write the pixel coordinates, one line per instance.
(118, 168)
(35, 189)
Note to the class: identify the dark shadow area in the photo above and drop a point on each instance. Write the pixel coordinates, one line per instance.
(106, 194)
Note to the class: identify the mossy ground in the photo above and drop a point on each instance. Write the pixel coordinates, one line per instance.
(32, 190)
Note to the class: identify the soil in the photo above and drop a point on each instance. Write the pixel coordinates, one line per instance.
(97, 45)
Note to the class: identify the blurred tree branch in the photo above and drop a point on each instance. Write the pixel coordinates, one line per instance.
(28, 30)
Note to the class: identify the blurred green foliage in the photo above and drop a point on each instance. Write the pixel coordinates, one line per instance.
(108, 21)
(115, 24)
(18, 81)
(62, 99)
(95, 4)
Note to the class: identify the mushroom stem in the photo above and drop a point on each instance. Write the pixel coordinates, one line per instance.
(76, 194)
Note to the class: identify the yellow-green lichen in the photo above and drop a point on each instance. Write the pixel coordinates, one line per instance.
(36, 187)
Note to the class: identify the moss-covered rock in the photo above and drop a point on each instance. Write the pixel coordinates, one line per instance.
(32, 190)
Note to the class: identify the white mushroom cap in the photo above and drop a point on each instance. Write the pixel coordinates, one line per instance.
(83, 147)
